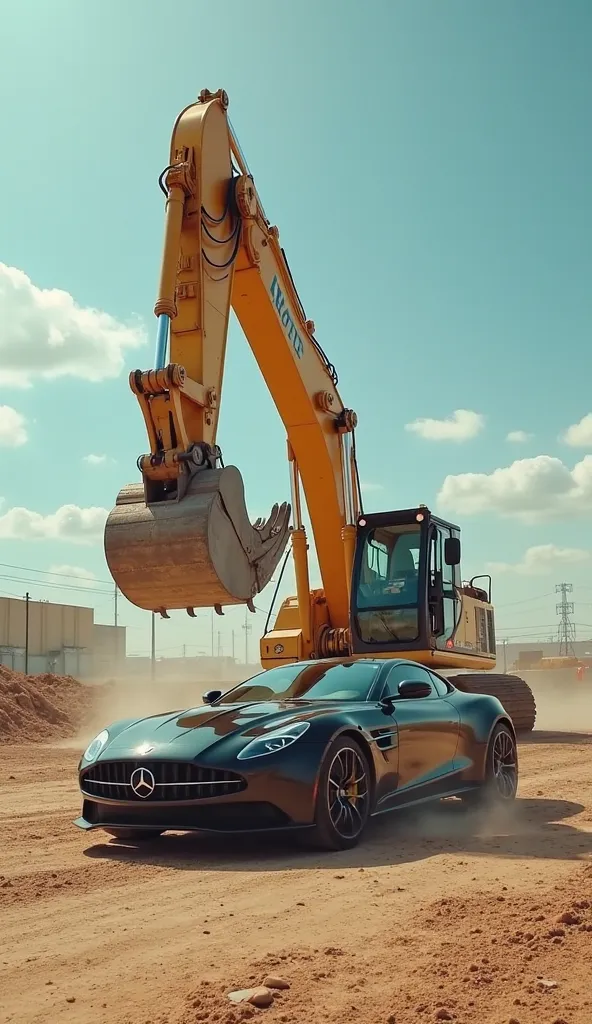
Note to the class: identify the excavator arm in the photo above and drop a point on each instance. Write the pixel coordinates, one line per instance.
(181, 538)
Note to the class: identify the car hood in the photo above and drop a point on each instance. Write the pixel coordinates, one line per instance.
(190, 732)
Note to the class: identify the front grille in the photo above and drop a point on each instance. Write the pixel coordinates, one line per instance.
(112, 780)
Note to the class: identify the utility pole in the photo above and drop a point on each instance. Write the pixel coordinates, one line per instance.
(505, 644)
(153, 648)
(233, 645)
(219, 654)
(247, 629)
(27, 600)
(184, 651)
(115, 606)
(212, 631)
(566, 633)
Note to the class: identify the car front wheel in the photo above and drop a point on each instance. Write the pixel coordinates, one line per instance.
(343, 796)
(500, 783)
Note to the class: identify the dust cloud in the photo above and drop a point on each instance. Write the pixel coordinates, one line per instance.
(112, 701)
(563, 704)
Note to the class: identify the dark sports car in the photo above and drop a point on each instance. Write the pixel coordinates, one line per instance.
(321, 746)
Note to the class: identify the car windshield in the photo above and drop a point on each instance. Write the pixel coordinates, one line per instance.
(349, 680)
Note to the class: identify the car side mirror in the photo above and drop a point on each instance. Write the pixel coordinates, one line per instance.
(412, 689)
(211, 696)
(452, 551)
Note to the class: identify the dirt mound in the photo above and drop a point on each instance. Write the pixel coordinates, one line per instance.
(40, 707)
(527, 961)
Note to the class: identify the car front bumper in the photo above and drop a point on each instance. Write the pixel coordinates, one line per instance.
(277, 796)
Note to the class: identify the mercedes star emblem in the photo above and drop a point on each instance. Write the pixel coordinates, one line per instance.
(142, 782)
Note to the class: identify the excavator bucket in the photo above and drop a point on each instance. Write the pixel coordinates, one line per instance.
(198, 551)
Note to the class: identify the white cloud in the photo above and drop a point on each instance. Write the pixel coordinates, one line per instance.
(461, 426)
(68, 523)
(369, 487)
(530, 489)
(579, 435)
(73, 571)
(45, 334)
(13, 429)
(518, 437)
(95, 460)
(540, 560)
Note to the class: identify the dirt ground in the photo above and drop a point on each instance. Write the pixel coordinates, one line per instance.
(437, 916)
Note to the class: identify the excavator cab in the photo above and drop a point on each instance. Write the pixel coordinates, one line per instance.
(407, 594)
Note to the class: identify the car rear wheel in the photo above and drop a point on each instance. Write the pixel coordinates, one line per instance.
(138, 835)
(501, 770)
(343, 796)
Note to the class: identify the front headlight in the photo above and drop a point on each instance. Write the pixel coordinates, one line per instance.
(274, 741)
(95, 746)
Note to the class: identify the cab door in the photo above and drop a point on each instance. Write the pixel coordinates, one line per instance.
(442, 583)
(428, 729)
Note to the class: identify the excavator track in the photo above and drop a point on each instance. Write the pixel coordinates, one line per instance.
(197, 552)
(513, 692)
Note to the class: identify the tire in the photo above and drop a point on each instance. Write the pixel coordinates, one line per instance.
(500, 783)
(340, 817)
(513, 693)
(138, 835)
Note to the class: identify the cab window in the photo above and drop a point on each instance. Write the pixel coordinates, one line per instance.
(387, 596)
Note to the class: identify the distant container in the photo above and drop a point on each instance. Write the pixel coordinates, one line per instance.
(528, 659)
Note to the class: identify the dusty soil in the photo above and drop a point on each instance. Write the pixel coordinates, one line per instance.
(437, 916)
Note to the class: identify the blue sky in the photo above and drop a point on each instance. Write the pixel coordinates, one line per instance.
(428, 165)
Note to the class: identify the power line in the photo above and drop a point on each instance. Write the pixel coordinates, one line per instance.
(51, 585)
(526, 600)
(47, 572)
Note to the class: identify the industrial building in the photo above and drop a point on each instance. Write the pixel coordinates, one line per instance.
(38, 636)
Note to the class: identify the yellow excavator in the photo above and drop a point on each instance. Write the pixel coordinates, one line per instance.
(181, 537)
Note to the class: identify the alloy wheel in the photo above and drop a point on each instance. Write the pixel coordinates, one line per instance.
(347, 793)
(504, 765)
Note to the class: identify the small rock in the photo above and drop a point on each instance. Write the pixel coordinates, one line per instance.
(444, 1014)
(260, 996)
(339, 876)
(513, 1020)
(206, 932)
(70, 999)
(391, 1019)
(272, 981)
(545, 984)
